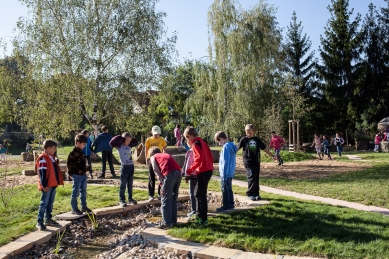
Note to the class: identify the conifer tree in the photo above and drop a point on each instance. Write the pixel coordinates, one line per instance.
(340, 52)
(299, 61)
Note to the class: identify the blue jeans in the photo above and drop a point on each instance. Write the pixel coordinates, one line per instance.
(340, 150)
(169, 190)
(79, 189)
(192, 186)
(46, 204)
(228, 195)
(126, 180)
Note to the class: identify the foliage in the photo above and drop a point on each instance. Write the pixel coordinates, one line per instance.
(59, 241)
(340, 51)
(238, 84)
(87, 59)
(8, 186)
(93, 220)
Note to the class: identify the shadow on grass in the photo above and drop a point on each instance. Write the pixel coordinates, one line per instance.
(292, 227)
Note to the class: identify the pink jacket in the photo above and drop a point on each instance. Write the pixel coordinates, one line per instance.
(377, 139)
(177, 133)
(276, 142)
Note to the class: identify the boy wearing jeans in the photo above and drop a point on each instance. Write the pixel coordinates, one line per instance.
(77, 168)
(49, 177)
(203, 166)
(227, 163)
(251, 158)
(191, 179)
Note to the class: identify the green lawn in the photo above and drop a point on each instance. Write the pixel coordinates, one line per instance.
(20, 215)
(295, 227)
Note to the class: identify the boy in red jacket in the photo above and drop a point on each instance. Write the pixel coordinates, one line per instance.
(203, 166)
(276, 142)
(49, 177)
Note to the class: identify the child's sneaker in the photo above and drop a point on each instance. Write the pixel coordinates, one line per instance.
(252, 198)
(40, 226)
(221, 209)
(132, 202)
(123, 204)
(151, 198)
(76, 211)
(257, 198)
(86, 209)
(52, 222)
(190, 214)
(201, 222)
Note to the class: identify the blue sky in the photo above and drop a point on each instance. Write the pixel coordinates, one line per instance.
(189, 19)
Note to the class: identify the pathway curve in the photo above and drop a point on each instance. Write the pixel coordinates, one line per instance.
(335, 202)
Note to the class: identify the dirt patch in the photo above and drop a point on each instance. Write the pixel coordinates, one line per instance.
(310, 169)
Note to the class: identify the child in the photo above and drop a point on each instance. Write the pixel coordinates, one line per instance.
(177, 135)
(276, 142)
(317, 143)
(49, 177)
(339, 141)
(101, 144)
(251, 158)
(154, 141)
(227, 163)
(2, 153)
(203, 166)
(77, 168)
(28, 148)
(126, 170)
(88, 151)
(192, 179)
(326, 145)
(169, 177)
(377, 141)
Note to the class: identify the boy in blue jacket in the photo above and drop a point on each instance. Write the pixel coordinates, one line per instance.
(227, 164)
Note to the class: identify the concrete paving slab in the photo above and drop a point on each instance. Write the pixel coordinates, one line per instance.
(182, 247)
(299, 257)
(4, 256)
(108, 210)
(250, 255)
(15, 248)
(183, 198)
(133, 207)
(69, 216)
(214, 252)
(37, 237)
(62, 226)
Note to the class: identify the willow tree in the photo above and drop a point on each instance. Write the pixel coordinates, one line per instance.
(88, 57)
(239, 82)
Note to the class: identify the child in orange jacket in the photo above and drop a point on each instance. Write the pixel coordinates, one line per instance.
(49, 177)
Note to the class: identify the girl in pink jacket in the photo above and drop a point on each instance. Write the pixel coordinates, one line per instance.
(276, 142)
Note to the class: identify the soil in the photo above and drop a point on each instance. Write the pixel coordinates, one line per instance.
(309, 169)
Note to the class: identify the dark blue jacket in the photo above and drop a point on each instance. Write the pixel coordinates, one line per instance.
(88, 148)
(101, 143)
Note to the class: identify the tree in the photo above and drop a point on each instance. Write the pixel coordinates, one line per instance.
(340, 53)
(88, 57)
(373, 90)
(239, 82)
(299, 60)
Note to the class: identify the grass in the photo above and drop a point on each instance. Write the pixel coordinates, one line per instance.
(20, 216)
(295, 227)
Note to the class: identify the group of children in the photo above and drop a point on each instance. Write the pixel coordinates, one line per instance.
(323, 142)
(197, 170)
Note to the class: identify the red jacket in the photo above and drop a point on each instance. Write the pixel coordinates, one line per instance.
(203, 159)
(47, 174)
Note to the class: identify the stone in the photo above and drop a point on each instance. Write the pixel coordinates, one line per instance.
(214, 252)
(180, 159)
(37, 237)
(108, 210)
(385, 146)
(27, 157)
(28, 172)
(183, 249)
(15, 248)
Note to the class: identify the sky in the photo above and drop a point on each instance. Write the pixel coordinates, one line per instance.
(189, 19)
